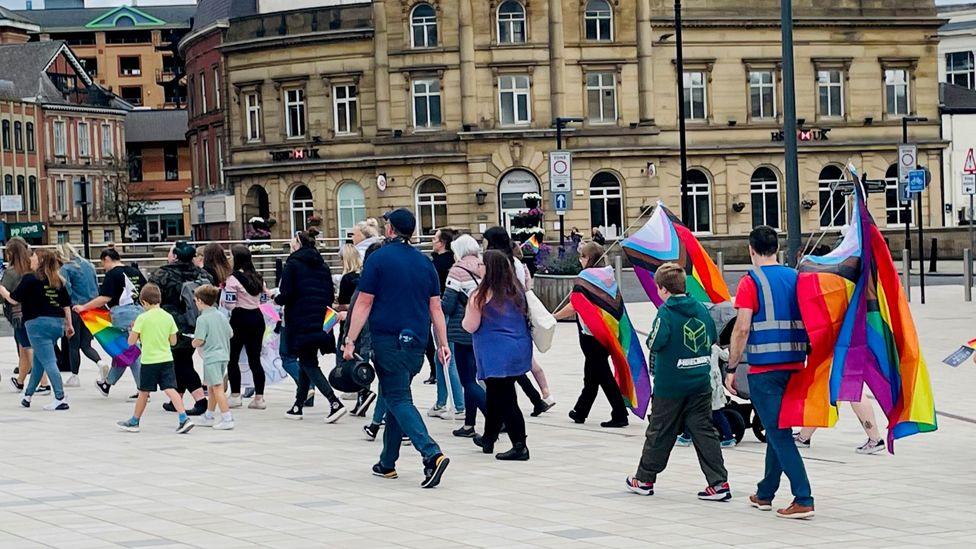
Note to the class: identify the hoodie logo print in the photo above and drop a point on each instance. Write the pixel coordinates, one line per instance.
(694, 335)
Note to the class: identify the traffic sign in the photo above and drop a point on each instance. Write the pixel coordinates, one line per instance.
(969, 183)
(907, 161)
(562, 202)
(916, 181)
(970, 165)
(560, 171)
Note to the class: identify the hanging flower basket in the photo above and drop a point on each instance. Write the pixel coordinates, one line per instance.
(532, 200)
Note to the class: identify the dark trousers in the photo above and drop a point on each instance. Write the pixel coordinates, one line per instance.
(597, 375)
(721, 423)
(248, 326)
(668, 416)
(310, 374)
(69, 354)
(431, 353)
(474, 395)
(187, 379)
(503, 409)
(766, 393)
(530, 391)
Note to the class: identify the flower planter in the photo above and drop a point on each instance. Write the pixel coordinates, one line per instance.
(553, 290)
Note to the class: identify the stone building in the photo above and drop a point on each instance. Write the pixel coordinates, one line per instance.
(446, 107)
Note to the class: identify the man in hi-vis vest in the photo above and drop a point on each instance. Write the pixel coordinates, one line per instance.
(769, 331)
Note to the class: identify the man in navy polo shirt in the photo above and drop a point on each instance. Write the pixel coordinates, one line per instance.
(399, 293)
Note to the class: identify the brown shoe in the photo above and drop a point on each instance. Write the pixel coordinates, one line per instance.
(761, 504)
(796, 511)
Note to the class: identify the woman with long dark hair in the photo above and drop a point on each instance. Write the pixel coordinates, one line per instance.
(497, 319)
(17, 256)
(216, 264)
(306, 292)
(243, 292)
(46, 306)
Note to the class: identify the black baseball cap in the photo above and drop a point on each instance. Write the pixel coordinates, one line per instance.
(402, 221)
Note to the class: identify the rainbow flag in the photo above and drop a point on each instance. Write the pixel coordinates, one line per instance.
(113, 340)
(532, 244)
(596, 298)
(664, 240)
(330, 320)
(861, 333)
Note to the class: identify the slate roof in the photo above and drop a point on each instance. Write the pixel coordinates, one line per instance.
(155, 125)
(75, 19)
(209, 11)
(955, 99)
(24, 64)
(11, 15)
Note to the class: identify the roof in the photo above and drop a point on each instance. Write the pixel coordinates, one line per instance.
(10, 15)
(155, 125)
(955, 99)
(24, 66)
(210, 11)
(958, 26)
(93, 19)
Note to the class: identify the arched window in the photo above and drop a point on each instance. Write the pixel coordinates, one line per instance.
(511, 23)
(598, 19)
(431, 206)
(833, 203)
(301, 208)
(894, 207)
(352, 207)
(764, 187)
(32, 194)
(18, 136)
(30, 137)
(606, 205)
(8, 185)
(696, 208)
(423, 26)
(6, 134)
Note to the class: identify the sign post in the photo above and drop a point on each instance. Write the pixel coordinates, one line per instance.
(917, 181)
(969, 188)
(562, 202)
(907, 161)
(561, 171)
(81, 199)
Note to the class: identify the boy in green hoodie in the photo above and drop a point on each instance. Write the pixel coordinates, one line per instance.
(681, 348)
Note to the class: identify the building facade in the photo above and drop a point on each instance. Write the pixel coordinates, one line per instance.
(957, 70)
(343, 112)
(127, 50)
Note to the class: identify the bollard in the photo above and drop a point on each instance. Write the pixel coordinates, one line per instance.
(906, 273)
(967, 274)
(618, 268)
(720, 260)
(934, 256)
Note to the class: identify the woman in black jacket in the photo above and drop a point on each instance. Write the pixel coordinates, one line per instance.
(306, 292)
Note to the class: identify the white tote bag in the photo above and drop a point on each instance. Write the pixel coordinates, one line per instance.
(543, 323)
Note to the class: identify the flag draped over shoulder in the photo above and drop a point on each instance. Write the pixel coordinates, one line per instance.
(113, 340)
(664, 239)
(861, 333)
(597, 299)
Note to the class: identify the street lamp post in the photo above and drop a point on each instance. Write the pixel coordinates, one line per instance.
(560, 123)
(789, 136)
(83, 202)
(679, 61)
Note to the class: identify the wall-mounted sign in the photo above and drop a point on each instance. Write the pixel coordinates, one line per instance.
(381, 182)
(11, 203)
(802, 134)
(294, 154)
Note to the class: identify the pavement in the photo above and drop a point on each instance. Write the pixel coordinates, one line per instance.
(72, 480)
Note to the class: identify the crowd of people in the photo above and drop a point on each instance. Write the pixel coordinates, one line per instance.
(465, 310)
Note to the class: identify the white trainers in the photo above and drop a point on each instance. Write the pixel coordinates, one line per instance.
(72, 381)
(235, 401)
(258, 403)
(56, 405)
(224, 425)
(436, 411)
(204, 421)
(871, 447)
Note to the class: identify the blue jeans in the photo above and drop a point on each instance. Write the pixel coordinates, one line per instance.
(397, 361)
(289, 361)
(122, 318)
(379, 410)
(474, 394)
(44, 332)
(766, 392)
(456, 392)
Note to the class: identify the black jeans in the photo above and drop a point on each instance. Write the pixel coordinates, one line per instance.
(69, 355)
(310, 374)
(530, 391)
(474, 395)
(187, 379)
(596, 376)
(503, 409)
(431, 353)
(668, 416)
(248, 326)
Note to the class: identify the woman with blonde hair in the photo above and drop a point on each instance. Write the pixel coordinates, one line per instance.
(17, 256)
(82, 282)
(365, 234)
(46, 306)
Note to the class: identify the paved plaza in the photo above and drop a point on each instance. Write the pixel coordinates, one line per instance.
(72, 480)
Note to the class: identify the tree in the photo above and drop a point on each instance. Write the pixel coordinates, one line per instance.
(123, 200)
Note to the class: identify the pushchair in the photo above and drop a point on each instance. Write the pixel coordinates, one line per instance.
(738, 411)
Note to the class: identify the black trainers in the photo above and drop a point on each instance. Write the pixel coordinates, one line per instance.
(434, 470)
(383, 472)
(25, 402)
(198, 408)
(184, 426)
(169, 407)
(485, 445)
(719, 492)
(310, 401)
(43, 390)
(16, 385)
(370, 431)
(541, 408)
(615, 423)
(464, 432)
(294, 413)
(363, 402)
(336, 411)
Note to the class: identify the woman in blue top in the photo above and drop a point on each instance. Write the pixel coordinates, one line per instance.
(82, 284)
(497, 319)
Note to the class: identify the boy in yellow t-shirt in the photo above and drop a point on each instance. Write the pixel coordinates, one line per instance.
(155, 331)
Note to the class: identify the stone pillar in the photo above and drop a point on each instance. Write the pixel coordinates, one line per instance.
(381, 67)
(557, 61)
(469, 84)
(645, 66)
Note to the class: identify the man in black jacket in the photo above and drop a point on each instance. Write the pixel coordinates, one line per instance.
(175, 279)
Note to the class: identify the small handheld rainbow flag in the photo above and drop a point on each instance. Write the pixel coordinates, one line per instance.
(533, 244)
(113, 340)
(330, 320)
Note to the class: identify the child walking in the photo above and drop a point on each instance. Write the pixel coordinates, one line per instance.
(212, 337)
(155, 331)
(681, 350)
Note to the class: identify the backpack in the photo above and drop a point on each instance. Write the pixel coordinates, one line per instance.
(186, 318)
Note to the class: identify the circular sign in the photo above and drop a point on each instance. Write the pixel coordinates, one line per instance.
(381, 182)
(559, 167)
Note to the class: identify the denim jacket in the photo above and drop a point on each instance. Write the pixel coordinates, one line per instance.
(81, 279)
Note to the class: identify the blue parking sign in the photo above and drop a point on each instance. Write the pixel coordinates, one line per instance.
(916, 181)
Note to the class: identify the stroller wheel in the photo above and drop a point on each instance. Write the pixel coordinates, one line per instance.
(758, 429)
(736, 422)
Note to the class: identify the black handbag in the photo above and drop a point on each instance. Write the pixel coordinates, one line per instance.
(350, 376)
